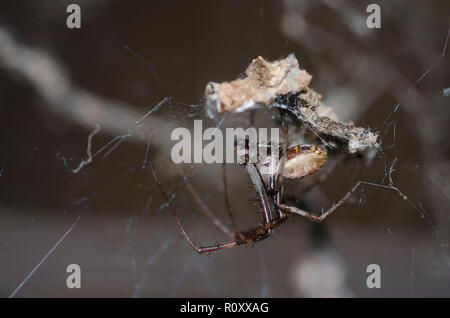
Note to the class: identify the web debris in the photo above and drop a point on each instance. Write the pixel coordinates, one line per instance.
(268, 83)
(389, 121)
(88, 150)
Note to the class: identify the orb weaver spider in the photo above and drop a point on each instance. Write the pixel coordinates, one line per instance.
(293, 163)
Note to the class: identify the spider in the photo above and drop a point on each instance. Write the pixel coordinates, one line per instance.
(293, 163)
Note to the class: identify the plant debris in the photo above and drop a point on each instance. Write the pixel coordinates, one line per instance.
(265, 85)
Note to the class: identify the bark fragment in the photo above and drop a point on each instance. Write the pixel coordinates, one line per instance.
(264, 82)
(264, 86)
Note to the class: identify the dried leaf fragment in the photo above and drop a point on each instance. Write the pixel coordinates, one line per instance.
(266, 82)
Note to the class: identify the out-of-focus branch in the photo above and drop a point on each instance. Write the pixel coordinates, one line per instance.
(52, 82)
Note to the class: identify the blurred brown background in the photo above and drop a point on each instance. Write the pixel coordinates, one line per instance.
(55, 83)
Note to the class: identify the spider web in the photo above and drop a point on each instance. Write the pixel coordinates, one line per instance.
(76, 178)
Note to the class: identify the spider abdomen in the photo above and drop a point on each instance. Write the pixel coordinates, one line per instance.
(303, 160)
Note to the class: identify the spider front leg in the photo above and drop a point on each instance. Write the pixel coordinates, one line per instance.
(320, 218)
(257, 234)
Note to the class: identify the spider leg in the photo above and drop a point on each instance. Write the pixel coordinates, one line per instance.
(266, 204)
(277, 200)
(257, 234)
(206, 210)
(278, 196)
(198, 249)
(320, 218)
(237, 232)
(172, 209)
